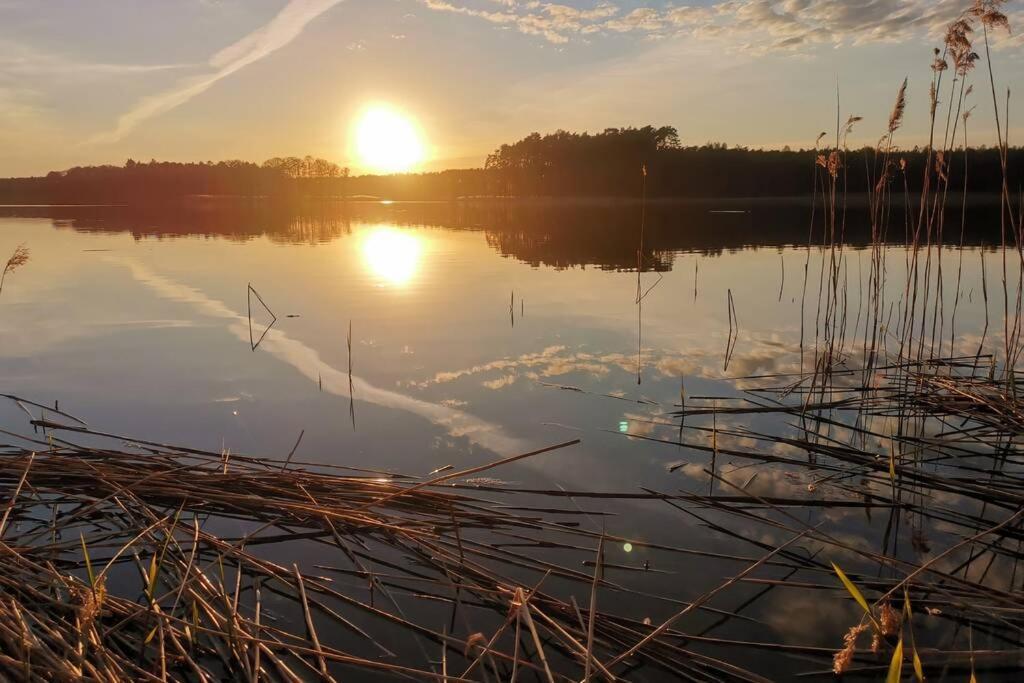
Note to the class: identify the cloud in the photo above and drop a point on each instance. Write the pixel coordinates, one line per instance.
(551, 27)
(24, 120)
(28, 100)
(501, 382)
(18, 106)
(640, 19)
(276, 34)
(308, 363)
(17, 59)
(807, 618)
(790, 24)
(552, 21)
(527, 360)
(757, 355)
(753, 25)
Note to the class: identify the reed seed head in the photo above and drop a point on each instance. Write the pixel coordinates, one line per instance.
(896, 117)
(889, 620)
(850, 123)
(988, 12)
(832, 163)
(18, 258)
(959, 47)
(843, 658)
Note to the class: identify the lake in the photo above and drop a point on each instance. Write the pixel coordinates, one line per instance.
(411, 337)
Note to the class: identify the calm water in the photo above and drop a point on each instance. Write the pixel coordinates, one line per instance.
(474, 334)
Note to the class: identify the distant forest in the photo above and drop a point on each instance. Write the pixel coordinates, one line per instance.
(616, 163)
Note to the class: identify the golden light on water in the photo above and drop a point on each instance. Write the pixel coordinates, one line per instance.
(387, 141)
(393, 255)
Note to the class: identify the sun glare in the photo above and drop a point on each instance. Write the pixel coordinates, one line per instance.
(387, 141)
(392, 255)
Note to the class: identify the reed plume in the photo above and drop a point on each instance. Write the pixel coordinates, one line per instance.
(988, 12)
(17, 260)
(896, 117)
(888, 623)
(848, 128)
(831, 163)
(843, 658)
(959, 46)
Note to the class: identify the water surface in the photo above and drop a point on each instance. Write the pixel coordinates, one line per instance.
(475, 334)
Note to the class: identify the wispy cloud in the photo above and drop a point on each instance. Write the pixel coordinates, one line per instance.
(17, 106)
(18, 59)
(755, 25)
(285, 27)
(24, 120)
(553, 22)
(308, 363)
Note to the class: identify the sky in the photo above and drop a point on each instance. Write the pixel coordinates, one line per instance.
(100, 81)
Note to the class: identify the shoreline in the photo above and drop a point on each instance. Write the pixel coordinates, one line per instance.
(856, 200)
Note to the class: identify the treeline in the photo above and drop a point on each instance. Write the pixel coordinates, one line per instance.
(156, 181)
(616, 163)
(631, 161)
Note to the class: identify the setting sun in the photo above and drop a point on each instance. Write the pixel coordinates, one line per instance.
(387, 141)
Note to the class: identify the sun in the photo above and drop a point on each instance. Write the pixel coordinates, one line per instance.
(387, 141)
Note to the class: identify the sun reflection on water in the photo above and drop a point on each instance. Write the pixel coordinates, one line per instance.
(393, 255)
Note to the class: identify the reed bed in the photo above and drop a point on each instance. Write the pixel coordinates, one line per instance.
(136, 560)
(934, 447)
(127, 559)
(888, 409)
